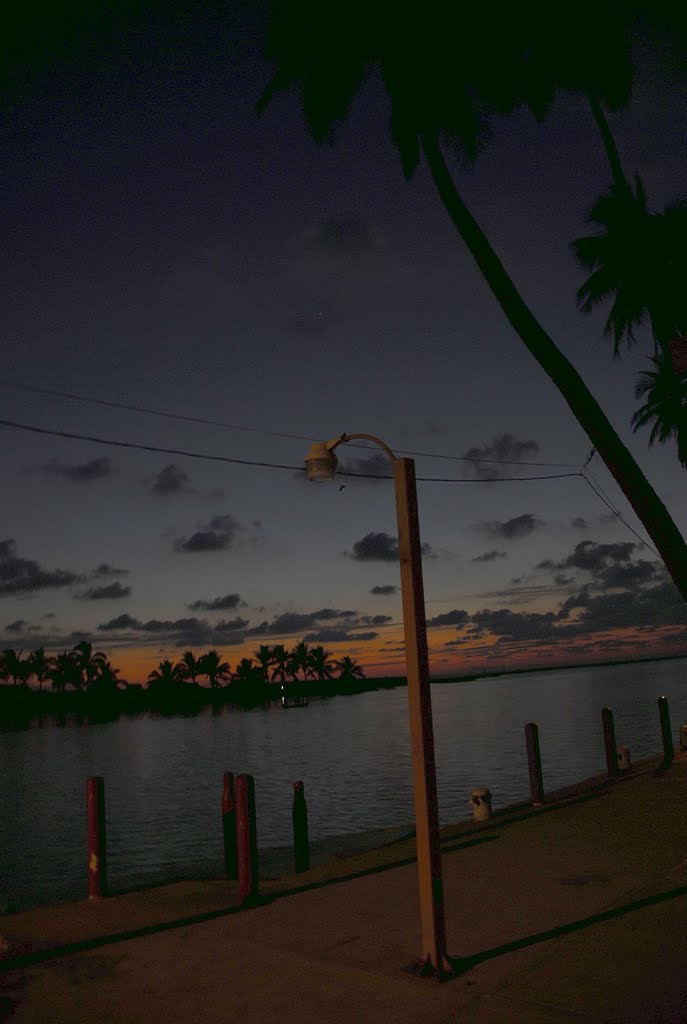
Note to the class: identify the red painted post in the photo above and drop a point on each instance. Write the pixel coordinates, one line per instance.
(534, 764)
(246, 838)
(301, 844)
(231, 869)
(97, 854)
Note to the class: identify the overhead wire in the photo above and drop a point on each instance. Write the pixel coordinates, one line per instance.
(108, 403)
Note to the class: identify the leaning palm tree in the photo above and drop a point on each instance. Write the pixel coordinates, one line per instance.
(320, 664)
(665, 406)
(212, 666)
(348, 668)
(445, 68)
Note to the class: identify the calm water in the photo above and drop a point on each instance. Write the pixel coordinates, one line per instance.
(163, 777)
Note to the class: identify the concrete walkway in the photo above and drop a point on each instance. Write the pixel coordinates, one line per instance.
(575, 911)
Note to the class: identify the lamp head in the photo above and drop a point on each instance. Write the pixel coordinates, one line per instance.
(320, 462)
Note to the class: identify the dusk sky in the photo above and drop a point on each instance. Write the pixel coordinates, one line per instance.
(164, 248)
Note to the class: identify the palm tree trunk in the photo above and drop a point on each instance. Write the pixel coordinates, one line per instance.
(647, 505)
(619, 179)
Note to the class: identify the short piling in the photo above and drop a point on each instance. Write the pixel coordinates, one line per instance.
(95, 826)
(231, 868)
(666, 735)
(246, 838)
(301, 843)
(609, 743)
(534, 764)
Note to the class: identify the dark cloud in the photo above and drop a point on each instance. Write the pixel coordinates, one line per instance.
(579, 523)
(632, 575)
(660, 605)
(511, 529)
(216, 604)
(217, 535)
(592, 557)
(296, 622)
(23, 575)
(457, 617)
(375, 466)
(381, 547)
(516, 625)
(489, 556)
(506, 448)
(17, 626)
(384, 591)
(185, 631)
(111, 592)
(171, 480)
(105, 571)
(332, 636)
(84, 472)
(562, 580)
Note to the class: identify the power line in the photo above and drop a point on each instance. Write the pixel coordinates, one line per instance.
(586, 476)
(258, 430)
(252, 462)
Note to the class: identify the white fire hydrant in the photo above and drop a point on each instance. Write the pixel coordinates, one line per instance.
(624, 763)
(481, 804)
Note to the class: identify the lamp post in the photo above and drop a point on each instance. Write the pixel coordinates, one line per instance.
(321, 465)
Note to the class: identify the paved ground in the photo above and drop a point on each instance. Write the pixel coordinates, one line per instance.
(573, 912)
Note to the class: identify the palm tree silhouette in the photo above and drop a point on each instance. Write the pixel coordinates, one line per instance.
(88, 662)
(166, 677)
(348, 668)
(446, 70)
(212, 666)
(264, 657)
(40, 666)
(66, 672)
(320, 664)
(299, 661)
(666, 405)
(12, 666)
(639, 260)
(281, 659)
(246, 672)
(191, 666)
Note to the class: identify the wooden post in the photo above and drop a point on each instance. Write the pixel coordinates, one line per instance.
(534, 764)
(301, 844)
(666, 735)
(246, 838)
(231, 869)
(609, 743)
(95, 822)
(434, 960)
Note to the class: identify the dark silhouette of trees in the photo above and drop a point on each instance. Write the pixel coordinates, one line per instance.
(447, 71)
(665, 406)
(212, 666)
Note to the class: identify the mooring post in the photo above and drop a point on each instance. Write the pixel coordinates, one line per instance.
(666, 736)
(246, 838)
(95, 827)
(231, 869)
(534, 764)
(609, 742)
(301, 843)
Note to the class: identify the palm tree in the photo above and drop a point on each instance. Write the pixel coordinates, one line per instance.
(299, 661)
(247, 673)
(264, 657)
(88, 662)
(281, 659)
(66, 672)
(348, 668)
(166, 677)
(212, 666)
(105, 682)
(444, 67)
(666, 405)
(14, 667)
(639, 260)
(40, 666)
(191, 666)
(320, 664)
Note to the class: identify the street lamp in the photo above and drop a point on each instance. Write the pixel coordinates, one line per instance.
(321, 464)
